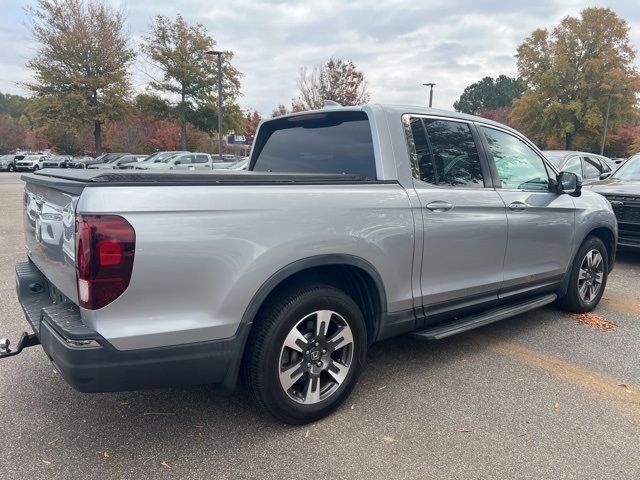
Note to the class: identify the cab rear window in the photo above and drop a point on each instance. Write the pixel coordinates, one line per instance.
(331, 142)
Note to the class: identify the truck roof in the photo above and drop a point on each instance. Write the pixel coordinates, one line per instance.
(398, 110)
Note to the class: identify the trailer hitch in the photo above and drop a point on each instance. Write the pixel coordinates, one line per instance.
(26, 340)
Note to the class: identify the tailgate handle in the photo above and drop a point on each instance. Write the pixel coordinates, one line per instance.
(439, 206)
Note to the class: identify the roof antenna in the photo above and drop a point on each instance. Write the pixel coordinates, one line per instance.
(330, 104)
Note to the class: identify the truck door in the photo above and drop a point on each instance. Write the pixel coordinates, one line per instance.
(541, 221)
(465, 223)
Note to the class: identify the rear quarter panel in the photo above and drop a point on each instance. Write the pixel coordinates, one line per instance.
(202, 252)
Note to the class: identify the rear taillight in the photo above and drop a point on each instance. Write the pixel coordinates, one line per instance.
(105, 247)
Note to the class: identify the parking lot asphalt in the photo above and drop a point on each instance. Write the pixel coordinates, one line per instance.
(536, 396)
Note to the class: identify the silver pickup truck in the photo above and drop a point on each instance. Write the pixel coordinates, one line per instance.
(352, 225)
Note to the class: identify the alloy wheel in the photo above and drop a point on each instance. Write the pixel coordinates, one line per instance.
(590, 275)
(316, 357)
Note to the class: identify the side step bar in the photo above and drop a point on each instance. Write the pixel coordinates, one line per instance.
(463, 324)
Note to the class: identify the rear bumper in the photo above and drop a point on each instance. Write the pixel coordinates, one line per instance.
(89, 363)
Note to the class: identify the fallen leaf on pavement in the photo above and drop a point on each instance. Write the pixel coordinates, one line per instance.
(465, 430)
(592, 320)
(306, 435)
(626, 387)
(199, 426)
(165, 465)
(352, 407)
(53, 442)
(124, 403)
(632, 421)
(388, 439)
(382, 388)
(556, 406)
(46, 462)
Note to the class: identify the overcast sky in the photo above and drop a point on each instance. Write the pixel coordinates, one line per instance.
(398, 44)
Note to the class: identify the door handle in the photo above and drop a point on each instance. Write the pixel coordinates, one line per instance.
(439, 206)
(518, 206)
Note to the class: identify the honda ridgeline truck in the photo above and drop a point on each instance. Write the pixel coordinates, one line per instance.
(352, 225)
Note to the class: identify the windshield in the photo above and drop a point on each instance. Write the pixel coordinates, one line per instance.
(168, 158)
(630, 170)
(160, 157)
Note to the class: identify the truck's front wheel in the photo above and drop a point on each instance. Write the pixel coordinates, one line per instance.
(306, 353)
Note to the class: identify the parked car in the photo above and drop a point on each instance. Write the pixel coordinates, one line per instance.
(240, 164)
(355, 224)
(79, 161)
(588, 165)
(160, 156)
(622, 189)
(57, 161)
(7, 163)
(125, 161)
(30, 162)
(104, 159)
(183, 161)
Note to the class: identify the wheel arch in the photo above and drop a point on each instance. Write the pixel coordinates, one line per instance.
(352, 274)
(608, 237)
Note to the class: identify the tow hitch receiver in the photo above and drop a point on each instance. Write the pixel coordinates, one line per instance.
(26, 340)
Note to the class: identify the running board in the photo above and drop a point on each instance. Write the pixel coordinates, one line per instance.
(463, 324)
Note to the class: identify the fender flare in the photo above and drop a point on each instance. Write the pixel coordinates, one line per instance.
(276, 279)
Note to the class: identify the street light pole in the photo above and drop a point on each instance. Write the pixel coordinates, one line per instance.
(219, 54)
(430, 85)
(606, 123)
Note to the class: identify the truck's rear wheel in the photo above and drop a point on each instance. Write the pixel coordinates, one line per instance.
(306, 354)
(588, 279)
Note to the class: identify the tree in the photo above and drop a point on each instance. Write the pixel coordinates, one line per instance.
(280, 111)
(569, 74)
(489, 94)
(188, 74)
(12, 134)
(250, 125)
(338, 80)
(81, 68)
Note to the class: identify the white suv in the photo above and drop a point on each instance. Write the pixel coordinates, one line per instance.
(31, 163)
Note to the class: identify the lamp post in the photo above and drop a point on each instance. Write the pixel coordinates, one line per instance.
(606, 123)
(219, 54)
(430, 85)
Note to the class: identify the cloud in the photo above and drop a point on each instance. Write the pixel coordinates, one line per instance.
(399, 44)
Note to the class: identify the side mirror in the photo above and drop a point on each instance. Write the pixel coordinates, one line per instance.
(177, 162)
(605, 175)
(569, 183)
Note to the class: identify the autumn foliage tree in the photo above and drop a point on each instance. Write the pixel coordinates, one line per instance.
(336, 79)
(12, 134)
(81, 69)
(569, 73)
(189, 76)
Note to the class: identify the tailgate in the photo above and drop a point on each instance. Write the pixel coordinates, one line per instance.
(49, 229)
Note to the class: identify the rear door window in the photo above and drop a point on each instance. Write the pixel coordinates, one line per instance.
(445, 153)
(592, 167)
(573, 165)
(331, 142)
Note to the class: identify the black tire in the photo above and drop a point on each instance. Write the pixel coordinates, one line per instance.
(266, 347)
(36, 168)
(12, 168)
(573, 301)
